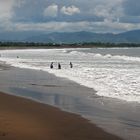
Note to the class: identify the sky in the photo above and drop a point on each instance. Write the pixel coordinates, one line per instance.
(101, 16)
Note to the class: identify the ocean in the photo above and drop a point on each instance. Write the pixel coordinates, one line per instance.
(112, 72)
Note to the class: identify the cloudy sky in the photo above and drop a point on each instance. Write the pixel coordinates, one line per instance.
(70, 15)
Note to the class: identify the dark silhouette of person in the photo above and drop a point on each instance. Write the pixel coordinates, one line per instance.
(71, 65)
(59, 66)
(51, 66)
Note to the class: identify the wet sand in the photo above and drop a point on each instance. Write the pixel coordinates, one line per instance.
(114, 116)
(23, 119)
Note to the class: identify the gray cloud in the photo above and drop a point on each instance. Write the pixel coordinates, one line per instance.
(6, 12)
(72, 15)
(51, 11)
(131, 7)
(71, 10)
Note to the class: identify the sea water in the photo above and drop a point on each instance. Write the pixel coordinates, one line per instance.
(112, 72)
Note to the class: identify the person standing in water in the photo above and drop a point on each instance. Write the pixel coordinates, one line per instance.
(59, 66)
(71, 65)
(51, 66)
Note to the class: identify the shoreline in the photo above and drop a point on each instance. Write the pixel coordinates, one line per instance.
(22, 118)
(110, 115)
(25, 119)
(61, 47)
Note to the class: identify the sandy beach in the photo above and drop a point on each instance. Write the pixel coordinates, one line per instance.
(22, 119)
(36, 103)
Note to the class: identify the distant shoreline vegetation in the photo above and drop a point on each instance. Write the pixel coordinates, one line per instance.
(6, 45)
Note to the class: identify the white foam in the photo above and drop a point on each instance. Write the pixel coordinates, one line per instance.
(110, 76)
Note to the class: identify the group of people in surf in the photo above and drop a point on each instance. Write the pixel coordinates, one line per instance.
(59, 65)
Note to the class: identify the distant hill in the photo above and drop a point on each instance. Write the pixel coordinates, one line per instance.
(76, 37)
(129, 37)
(72, 37)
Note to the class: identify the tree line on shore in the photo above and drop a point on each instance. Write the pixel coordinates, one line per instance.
(47, 45)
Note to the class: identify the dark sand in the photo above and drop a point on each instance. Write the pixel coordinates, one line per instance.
(113, 116)
(23, 119)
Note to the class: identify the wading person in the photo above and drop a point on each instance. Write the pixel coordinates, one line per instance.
(71, 65)
(59, 66)
(51, 66)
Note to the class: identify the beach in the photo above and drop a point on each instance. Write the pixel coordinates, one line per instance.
(111, 116)
(25, 120)
(69, 70)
